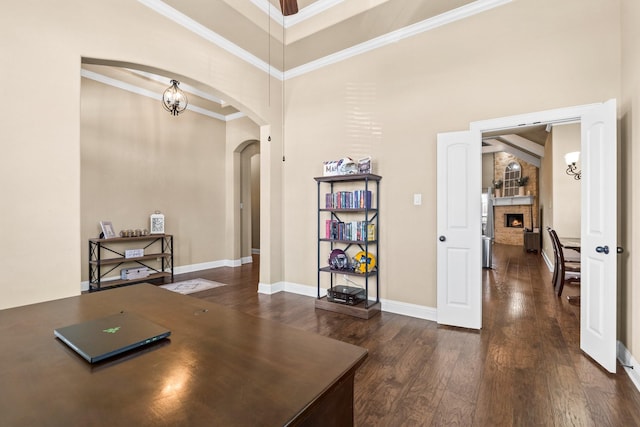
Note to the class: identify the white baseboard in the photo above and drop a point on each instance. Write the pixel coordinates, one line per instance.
(246, 260)
(206, 265)
(270, 289)
(84, 286)
(390, 306)
(255, 251)
(547, 261)
(411, 310)
(630, 364)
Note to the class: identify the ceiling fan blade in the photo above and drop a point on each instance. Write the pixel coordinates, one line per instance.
(289, 7)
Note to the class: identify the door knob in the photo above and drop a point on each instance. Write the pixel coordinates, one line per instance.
(602, 249)
(442, 238)
(620, 250)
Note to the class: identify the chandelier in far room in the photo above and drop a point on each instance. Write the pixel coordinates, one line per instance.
(174, 100)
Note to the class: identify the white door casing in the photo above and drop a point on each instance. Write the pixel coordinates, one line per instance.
(458, 304)
(598, 260)
(459, 283)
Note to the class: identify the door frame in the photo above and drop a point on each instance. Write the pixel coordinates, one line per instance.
(556, 116)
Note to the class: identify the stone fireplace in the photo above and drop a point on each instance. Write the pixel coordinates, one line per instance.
(522, 209)
(510, 223)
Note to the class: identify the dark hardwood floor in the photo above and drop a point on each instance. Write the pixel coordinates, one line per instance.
(523, 368)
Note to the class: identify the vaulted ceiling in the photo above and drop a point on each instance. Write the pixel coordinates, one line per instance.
(320, 28)
(322, 32)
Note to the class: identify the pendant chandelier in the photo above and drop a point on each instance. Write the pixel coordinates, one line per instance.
(174, 100)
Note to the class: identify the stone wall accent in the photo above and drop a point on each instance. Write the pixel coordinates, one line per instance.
(515, 236)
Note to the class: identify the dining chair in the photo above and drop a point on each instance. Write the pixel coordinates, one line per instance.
(567, 271)
(555, 258)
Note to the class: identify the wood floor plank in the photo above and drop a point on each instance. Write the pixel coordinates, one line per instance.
(524, 367)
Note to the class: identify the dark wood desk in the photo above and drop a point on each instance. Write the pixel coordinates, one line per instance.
(220, 367)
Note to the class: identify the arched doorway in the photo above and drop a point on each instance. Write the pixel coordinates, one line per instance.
(249, 199)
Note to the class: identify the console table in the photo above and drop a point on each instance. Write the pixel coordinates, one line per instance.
(219, 367)
(107, 255)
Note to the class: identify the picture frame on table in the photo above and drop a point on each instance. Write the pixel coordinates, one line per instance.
(107, 230)
(156, 223)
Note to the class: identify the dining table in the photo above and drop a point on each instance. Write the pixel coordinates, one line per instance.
(570, 243)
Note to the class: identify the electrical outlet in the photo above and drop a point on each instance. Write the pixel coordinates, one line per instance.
(417, 199)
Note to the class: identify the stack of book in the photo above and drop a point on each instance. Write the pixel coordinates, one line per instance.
(358, 231)
(359, 199)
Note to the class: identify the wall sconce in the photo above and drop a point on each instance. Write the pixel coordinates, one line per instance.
(174, 100)
(571, 159)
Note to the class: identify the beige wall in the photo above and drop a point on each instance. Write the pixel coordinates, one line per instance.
(392, 102)
(546, 197)
(629, 296)
(43, 43)
(487, 171)
(566, 190)
(151, 161)
(389, 103)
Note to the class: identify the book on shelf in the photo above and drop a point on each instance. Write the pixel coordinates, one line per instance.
(358, 231)
(371, 232)
(358, 199)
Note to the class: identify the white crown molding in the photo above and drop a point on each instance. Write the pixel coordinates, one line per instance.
(320, 6)
(268, 9)
(397, 35)
(202, 31)
(454, 15)
(309, 12)
(185, 87)
(303, 14)
(154, 95)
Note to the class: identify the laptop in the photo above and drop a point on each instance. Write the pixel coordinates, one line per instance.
(99, 339)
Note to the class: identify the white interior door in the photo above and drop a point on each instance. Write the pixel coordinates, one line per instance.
(598, 287)
(459, 228)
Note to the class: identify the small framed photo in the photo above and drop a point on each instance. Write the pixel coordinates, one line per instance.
(156, 223)
(364, 165)
(107, 230)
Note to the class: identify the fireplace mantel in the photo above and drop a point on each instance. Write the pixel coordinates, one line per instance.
(511, 201)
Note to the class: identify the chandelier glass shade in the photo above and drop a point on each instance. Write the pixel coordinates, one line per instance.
(174, 100)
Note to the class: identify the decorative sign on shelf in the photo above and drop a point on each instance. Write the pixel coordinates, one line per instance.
(346, 166)
(133, 253)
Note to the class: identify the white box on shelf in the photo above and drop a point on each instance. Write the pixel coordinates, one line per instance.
(133, 253)
(330, 168)
(134, 273)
